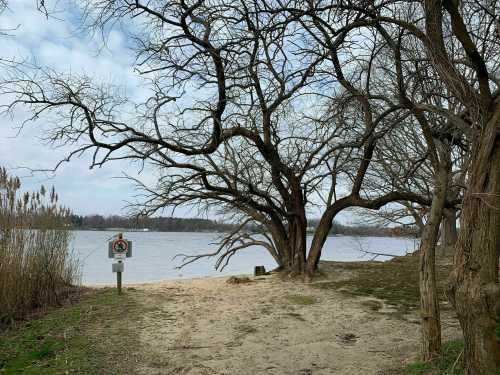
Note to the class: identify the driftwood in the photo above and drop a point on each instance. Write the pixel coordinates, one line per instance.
(238, 280)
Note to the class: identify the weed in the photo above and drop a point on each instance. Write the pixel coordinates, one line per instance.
(448, 363)
(298, 299)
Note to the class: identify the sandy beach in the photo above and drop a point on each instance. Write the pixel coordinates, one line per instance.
(269, 326)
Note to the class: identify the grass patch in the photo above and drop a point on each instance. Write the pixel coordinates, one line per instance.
(90, 337)
(418, 368)
(395, 282)
(446, 364)
(298, 299)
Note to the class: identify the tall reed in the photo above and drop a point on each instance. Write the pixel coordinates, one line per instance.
(36, 265)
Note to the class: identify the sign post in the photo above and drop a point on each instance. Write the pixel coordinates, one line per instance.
(119, 249)
(119, 281)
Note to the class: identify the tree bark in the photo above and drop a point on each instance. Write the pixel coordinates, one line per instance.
(321, 234)
(449, 230)
(473, 289)
(294, 264)
(292, 242)
(429, 303)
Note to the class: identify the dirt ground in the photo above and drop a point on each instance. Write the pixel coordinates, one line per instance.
(267, 326)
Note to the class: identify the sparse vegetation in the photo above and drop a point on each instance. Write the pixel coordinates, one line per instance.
(395, 282)
(448, 363)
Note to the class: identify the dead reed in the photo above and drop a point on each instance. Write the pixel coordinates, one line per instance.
(37, 268)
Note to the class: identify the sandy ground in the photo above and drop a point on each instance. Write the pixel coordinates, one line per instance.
(267, 326)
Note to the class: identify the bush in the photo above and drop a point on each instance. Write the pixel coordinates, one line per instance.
(36, 266)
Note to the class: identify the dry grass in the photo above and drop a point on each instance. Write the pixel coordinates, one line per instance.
(36, 266)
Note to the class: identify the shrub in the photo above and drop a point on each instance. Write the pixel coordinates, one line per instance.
(36, 266)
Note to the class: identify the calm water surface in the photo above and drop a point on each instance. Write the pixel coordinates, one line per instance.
(153, 254)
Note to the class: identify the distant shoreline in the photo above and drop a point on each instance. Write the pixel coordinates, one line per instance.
(124, 230)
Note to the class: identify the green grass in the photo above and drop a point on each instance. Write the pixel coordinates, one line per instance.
(87, 338)
(298, 299)
(446, 364)
(418, 368)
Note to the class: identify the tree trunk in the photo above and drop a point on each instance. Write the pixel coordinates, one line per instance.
(294, 245)
(429, 303)
(449, 230)
(295, 265)
(474, 290)
(320, 236)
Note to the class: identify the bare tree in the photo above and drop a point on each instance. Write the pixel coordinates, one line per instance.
(241, 121)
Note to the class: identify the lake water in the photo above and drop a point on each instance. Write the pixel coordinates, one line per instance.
(153, 254)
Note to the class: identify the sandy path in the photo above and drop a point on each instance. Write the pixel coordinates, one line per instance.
(208, 326)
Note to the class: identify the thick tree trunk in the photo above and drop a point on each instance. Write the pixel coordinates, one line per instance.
(297, 248)
(429, 303)
(294, 245)
(474, 288)
(292, 258)
(319, 239)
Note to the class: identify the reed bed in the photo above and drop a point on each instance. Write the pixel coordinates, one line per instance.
(37, 268)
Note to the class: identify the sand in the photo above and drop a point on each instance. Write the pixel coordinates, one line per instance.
(268, 326)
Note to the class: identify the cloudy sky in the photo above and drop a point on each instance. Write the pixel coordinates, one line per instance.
(56, 42)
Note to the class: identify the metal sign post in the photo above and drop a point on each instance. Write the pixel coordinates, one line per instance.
(119, 249)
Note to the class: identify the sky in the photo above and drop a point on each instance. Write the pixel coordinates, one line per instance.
(58, 42)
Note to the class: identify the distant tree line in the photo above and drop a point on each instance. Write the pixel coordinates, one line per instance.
(175, 224)
(375, 230)
(160, 224)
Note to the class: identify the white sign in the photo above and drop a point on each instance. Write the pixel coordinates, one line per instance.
(119, 247)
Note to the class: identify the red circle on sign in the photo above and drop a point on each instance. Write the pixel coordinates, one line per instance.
(120, 246)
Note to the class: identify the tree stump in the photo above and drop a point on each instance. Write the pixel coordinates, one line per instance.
(260, 271)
